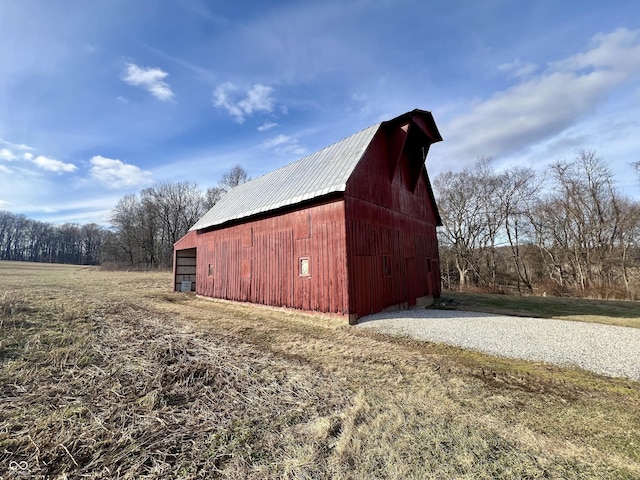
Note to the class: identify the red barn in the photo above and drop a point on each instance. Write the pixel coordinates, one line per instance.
(350, 229)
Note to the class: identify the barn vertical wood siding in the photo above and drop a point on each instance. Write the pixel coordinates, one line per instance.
(259, 261)
(385, 218)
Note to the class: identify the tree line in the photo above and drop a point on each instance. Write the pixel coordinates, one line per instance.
(566, 230)
(143, 228)
(29, 240)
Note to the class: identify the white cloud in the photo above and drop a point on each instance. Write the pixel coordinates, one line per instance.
(4, 169)
(256, 99)
(618, 50)
(547, 104)
(117, 174)
(53, 165)
(6, 154)
(16, 146)
(27, 156)
(266, 126)
(517, 68)
(284, 145)
(150, 79)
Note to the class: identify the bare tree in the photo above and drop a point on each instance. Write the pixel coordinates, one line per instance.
(212, 196)
(519, 189)
(177, 206)
(577, 233)
(236, 176)
(578, 224)
(7, 234)
(124, 218)
(468, 202)
(461, 218)
(629, 244)
(92, 240)
(147, 225)
(490, 187)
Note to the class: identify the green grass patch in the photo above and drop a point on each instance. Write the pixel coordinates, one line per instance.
(610, 312)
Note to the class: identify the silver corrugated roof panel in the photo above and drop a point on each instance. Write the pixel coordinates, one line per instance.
(321, 173)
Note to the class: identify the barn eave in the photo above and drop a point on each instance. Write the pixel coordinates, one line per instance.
(329, 197)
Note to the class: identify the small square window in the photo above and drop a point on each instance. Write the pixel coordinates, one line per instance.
(304, 267)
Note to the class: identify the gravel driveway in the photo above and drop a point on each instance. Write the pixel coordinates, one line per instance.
(605, 349)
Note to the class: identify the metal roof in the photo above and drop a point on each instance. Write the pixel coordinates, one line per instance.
(321, 173)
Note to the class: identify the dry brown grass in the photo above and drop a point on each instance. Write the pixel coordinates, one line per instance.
(109, 375)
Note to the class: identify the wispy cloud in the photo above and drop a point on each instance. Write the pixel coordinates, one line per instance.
(151, 79)
(6, 170)
(266, 126)
(241, 103)
(547, 104)
(53, 165)
(518, 68)
(41, 161)
(6, 154)
(618, 50)
(284, 145)
(16, 146)
(116, 174)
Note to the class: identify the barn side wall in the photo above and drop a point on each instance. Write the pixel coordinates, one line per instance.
(296, 260)
(391, 231)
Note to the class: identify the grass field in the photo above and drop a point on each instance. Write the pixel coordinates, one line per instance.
(111, 375)
(610, 312)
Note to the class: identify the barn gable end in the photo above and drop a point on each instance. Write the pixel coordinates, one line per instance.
(348, 230)
(391, 221)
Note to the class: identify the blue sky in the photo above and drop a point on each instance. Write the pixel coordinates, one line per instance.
(102, 98)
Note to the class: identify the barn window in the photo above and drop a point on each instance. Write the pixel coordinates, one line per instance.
(386, 265)
(304, 267)
(211, 269)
